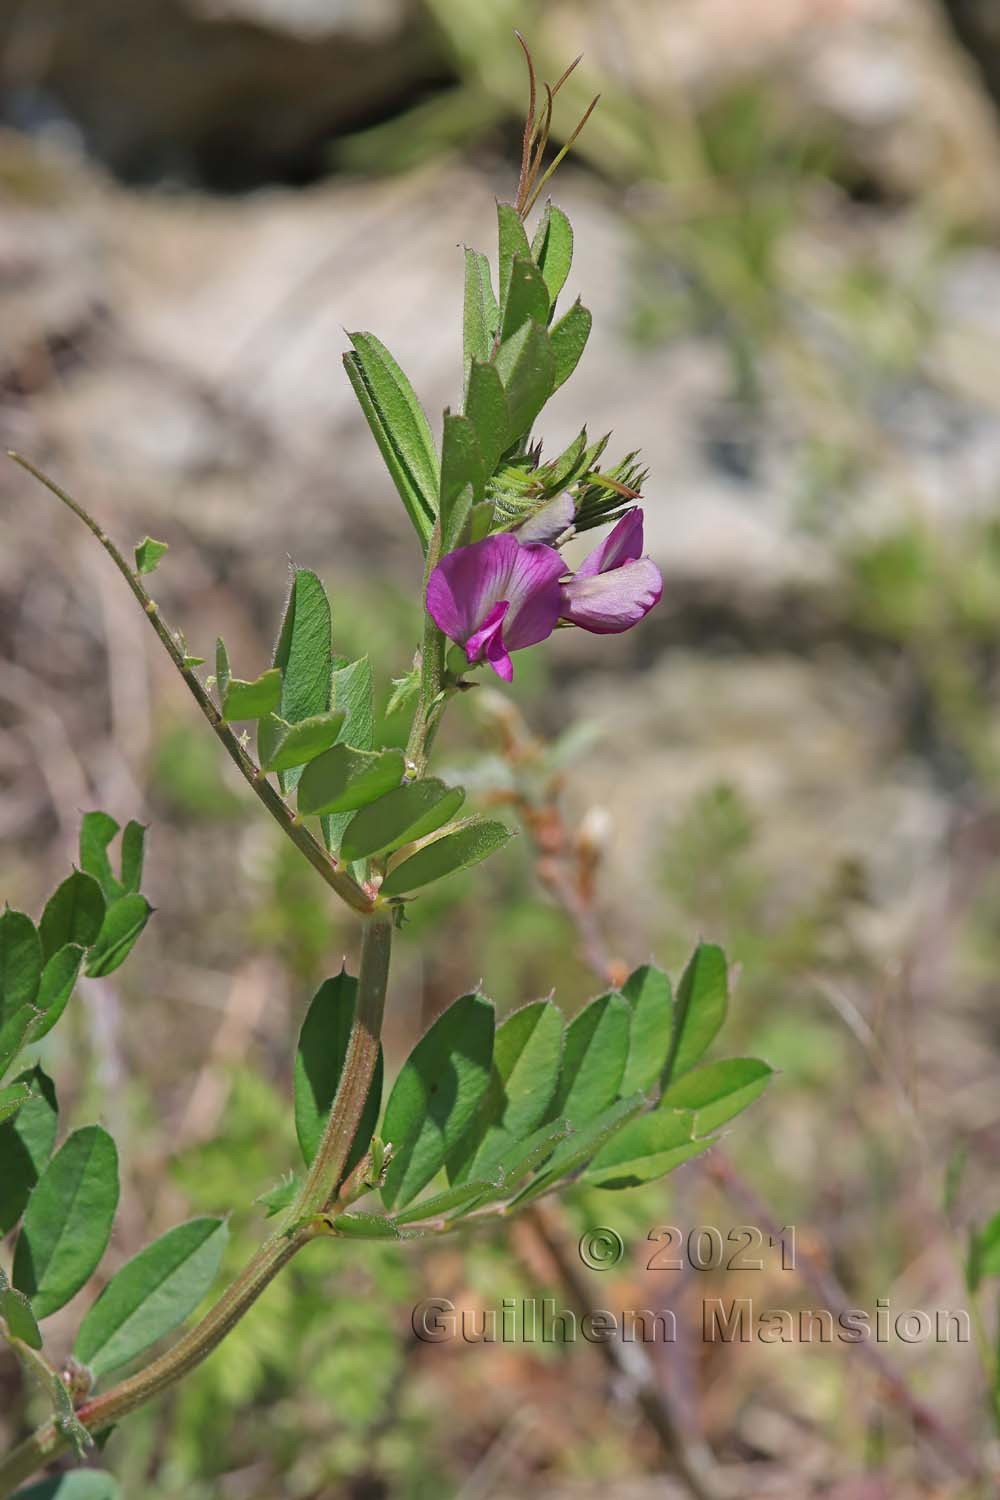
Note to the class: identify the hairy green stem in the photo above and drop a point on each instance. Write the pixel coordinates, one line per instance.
(103, 1411)
(339, 879)
(431, 702)
(321, 1184)
(198, 1343)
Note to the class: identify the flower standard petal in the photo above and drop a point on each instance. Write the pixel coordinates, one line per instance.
(608, 603)
(622, 545)
(467, 583)
(533, 591)
(496, 596)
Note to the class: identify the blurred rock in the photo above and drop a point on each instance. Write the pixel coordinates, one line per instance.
(230, 93)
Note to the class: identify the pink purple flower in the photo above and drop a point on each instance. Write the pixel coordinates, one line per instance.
(509, 591)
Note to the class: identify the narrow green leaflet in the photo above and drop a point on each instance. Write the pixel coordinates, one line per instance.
(77, 1484)
(526, 365)
(14, 1036)
(527, 297)
(486, 408)
(148, 554)
(73, 913)
(644, 1149)
(151, 1295)
(20, 961)
(120, 931)
(718, 1091)
(11, 1100)
(449, 1204)
(552, 249)
(352, 692)
(365, 1227)
(576, 1148)
(303, 656)
(97, 829)
(481, 317)
(293, 745)
(700, 1009)
(470, 842)
(57, 984)
(15, 1309)
(526, 1058)
(242, 700)
(528, 1155)
(594, 1059)
(133, 855)
(26, 1143)
(344, 779)
(463, 477)
(513, 241)
(568, 339)
(435, 1096)
(67, 1223)
(648, 992)
(399, 426)
(319, 1063)
(400, 817)
(252, 700)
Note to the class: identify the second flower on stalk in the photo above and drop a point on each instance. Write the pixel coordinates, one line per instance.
(511, 590)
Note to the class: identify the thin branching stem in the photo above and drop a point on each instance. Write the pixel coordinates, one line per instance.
(338, 878)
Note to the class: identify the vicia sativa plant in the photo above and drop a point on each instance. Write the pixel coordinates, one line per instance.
(482, 1119)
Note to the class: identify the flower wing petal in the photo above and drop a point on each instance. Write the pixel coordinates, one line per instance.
(610, 602)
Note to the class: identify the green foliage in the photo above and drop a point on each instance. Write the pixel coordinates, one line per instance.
(73, 914)
(399, 427)
(644, 1148)
(57, 984)
(245, 700)
(148, 554)
(26, 1143)
(303, 656)
(568, 340)
(119, 932)
(526, 1061)
(435, 1096)
(400, 817)
(486, 408)
(16, 1311)
(344, 779)
(67, 1223)
(151, 1295)
(702, 1000)
(648, 992)
(552, 250)
(594, 1058)
(458, 848)
(20, 961)
(526, 364)
(718, 1091)
(319, 1063)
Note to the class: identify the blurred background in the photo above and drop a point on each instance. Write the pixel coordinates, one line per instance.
(787, 225)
